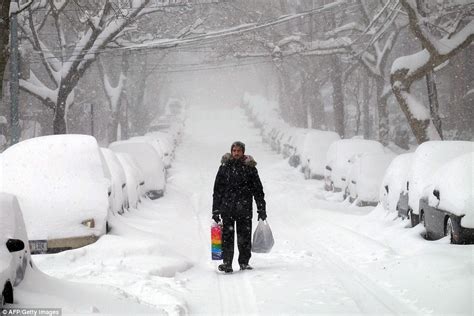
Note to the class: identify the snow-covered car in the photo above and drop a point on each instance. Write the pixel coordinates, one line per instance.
(365, 177)
(63, 186)
(167, 145)
(149, 161)
(14, 249)
(167, 124)
(427, 158)
(160, 146)
(277, 140)
(313, 156)
(293, 137)
(134, 177)
(394, 184)
(337, 160)
(119, 182)
(447, 202)
(296, 147)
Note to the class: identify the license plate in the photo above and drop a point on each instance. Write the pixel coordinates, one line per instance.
(38, 246)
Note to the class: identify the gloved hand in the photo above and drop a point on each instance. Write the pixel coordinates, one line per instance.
(262, 215)
(216, 218)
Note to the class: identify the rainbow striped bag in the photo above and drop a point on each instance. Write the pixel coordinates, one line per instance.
(216, 241)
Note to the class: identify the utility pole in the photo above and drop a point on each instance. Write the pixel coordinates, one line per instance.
(14, 69)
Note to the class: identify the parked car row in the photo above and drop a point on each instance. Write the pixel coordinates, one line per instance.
(433, 185)
(67, 186)
(352, 166)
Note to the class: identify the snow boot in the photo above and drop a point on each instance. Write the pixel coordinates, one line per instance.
(245, 266)
(227, 268)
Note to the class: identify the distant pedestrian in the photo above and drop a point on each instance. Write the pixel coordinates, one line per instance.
(237, 182)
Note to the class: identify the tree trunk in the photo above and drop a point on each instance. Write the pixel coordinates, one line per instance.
(113, 127)
(433, 99)
(365, 109)
(382, 109)
(4, 39)
(418, 127)
(59, 121)
(337, 96)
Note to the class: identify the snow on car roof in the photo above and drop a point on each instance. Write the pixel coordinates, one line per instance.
(59, 181)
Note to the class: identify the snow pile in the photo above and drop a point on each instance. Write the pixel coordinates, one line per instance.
(454, 182)
(395, 180)
(60, 181)
(428, 157)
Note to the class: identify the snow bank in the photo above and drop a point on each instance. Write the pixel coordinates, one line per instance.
(454, 181)
(60, 181)
(428, 157)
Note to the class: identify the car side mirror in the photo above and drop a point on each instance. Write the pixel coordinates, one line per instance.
(436, 193)
(14, 245)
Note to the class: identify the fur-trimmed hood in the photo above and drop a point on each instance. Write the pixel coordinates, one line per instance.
(247, 159)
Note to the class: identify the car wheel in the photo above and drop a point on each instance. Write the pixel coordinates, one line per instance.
(449, 231)
(7, 294)
(414, 219)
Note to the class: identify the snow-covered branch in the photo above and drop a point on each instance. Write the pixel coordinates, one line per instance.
(408, 69)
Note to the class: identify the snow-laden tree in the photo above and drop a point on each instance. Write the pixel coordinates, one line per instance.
(379, 22)
(443, 29)
(83, 30)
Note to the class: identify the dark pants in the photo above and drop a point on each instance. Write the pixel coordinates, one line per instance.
(244, 235)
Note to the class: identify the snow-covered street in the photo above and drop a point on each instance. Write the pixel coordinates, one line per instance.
(329, 257)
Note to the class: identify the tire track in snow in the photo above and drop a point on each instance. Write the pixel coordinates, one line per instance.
(234, 291)
(366, 293)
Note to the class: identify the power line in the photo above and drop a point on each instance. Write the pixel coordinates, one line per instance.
(209, 38)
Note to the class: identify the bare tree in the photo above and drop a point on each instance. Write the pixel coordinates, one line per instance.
(457, 34)
(101, 24)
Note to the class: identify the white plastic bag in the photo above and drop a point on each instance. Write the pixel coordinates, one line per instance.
(262, 238)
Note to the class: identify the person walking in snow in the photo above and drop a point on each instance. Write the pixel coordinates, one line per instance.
(237, 181)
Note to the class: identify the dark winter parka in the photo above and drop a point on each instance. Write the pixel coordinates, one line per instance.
(237, 181)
